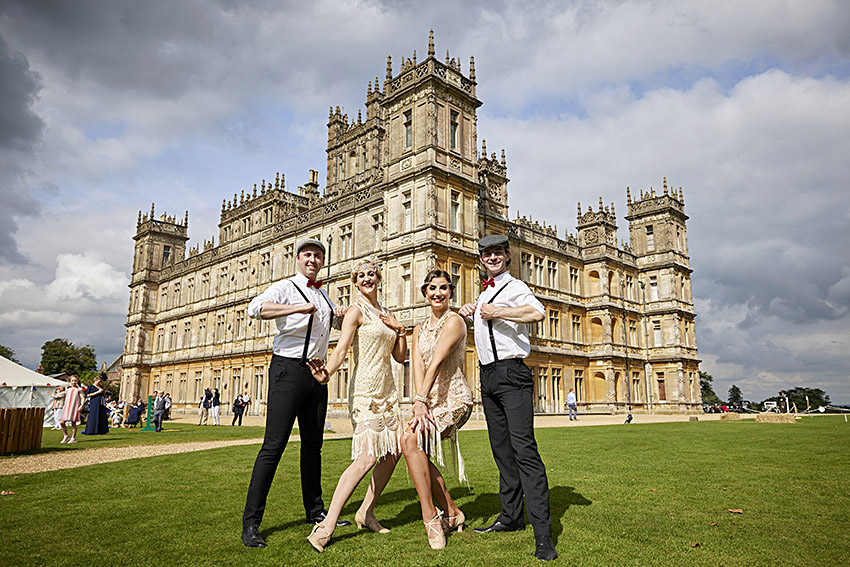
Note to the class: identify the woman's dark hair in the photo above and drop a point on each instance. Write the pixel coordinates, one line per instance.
(434, 274)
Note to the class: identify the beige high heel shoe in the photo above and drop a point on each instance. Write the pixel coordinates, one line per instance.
(454, 522)
(319, 537)
(434, 528)
(370, 522)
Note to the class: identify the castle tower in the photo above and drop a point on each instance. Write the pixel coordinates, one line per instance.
(658, 234)
(160, 243)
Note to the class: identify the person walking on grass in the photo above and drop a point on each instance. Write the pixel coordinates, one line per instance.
(303, 314)
(204, 407)
(377, 338)
(74, 399)
(159, 407)
(215, 406)
(499, 319)
(238, 409)
(572, 405)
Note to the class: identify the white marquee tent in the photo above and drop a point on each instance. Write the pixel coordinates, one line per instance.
(22, 388)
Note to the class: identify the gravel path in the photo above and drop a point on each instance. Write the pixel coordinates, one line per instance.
(25, 464)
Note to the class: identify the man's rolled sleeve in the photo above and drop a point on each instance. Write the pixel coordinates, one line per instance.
(523, 296)
(274, 294)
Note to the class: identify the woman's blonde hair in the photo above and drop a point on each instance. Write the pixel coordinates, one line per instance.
(365, 263)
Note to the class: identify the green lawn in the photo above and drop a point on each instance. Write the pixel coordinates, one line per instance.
(620, 495)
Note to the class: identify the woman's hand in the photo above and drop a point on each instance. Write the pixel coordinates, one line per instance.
(422, 417)
(317, 368)
(391, 322)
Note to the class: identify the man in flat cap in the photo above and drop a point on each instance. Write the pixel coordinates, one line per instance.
(499, 317)
(303, 313)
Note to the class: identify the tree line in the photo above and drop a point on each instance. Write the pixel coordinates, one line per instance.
(735, 397)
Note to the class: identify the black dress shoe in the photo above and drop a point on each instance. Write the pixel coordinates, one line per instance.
(498, 526)
(545, 550)
(251, 537)
(320, 517)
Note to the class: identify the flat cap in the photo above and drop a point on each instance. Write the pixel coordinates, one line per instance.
(493, 240)
(309, 242)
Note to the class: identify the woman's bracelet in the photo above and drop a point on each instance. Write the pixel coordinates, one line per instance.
(402, 332)
(421, 398)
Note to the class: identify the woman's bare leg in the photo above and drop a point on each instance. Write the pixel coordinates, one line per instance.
(380, 477)
(345, 487)
(420, 474)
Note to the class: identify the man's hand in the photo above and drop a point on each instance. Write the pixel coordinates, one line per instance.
(307, 308)
(489, 311)
(467, 310)
(339, 311)
(317, 368)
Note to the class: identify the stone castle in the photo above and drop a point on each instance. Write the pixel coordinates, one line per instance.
(407, 185)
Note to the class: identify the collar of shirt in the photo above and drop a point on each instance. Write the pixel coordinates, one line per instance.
(500, 280)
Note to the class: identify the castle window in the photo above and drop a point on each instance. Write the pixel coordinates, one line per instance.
(595, 286)
(259, 375)
(578, 377)
(525, 267)
(377, 230)
(175, 295)
(453, 129)
(682, 288)
(190, 290)
(542, 386)
(187, 334)
(243, 274)
(633, 336)
(456, 282)
(596, 330)
(406, 221)
(576, 329)
(222, 279)
(650, 239)
(687, 334)
(573, 280)
(239, 324)
(288, 266)
(342, 381)
(554, 324)
(656, 333)
(235, 381)
(246, 226)
(454, 213)
(679, 246)
(216, 379)
(219, 328)
(662, 390)
(653, 288)
(181, 390)
(268, 217)
(199, 381)
(408, 129)
(344, 295)
(363, 160)
(226, 234)
(556, 389)
(172, 337)
(205, 285)
(552, 273)
(405, 287)
(160, 339)
(630, 288)
(166, 254)
(163, 299)
(345, 248)
(202, 330)
(636, 386)
(538, 271)
(265, 266)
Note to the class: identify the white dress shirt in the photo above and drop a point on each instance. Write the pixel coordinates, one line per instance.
(292, 329)
(511, 338)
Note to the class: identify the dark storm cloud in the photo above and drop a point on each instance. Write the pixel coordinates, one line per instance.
(20, 129)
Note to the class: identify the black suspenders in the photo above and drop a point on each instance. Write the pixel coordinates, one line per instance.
(310, 321)
(490, 324)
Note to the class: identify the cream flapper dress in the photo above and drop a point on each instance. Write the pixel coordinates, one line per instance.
(450, 397)
(372, 395)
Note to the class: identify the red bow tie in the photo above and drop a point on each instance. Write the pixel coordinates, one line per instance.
(488, 282)
(314, 283)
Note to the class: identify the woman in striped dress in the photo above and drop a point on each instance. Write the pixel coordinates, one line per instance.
(74, 398)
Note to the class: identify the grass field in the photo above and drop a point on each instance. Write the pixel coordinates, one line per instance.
(620, 495)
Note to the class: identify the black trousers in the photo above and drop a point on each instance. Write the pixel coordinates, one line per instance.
(237, 416)
(293, 394)
(157, 421)
(506, 393)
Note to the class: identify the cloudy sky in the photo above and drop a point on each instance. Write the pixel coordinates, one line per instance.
(109, 106)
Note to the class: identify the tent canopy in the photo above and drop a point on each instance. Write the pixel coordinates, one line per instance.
(12, 374)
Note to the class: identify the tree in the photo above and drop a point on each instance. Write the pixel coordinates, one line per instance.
(60, 355)
(735, 396)
(817, 397)
(6, 352)
(706, 390)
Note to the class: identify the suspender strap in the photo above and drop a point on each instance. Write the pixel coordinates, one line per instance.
(490, 324)
(310, 321)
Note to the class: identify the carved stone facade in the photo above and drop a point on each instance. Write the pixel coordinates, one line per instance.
(408, 187)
